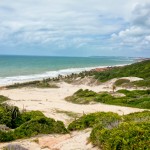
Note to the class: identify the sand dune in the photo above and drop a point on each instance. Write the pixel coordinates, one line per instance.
(49, 101)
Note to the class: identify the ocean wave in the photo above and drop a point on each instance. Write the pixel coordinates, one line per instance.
(50, 74)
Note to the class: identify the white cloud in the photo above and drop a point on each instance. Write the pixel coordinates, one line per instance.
(137, 34)
(76, 23)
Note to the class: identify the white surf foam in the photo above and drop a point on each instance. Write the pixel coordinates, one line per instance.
(50, 74)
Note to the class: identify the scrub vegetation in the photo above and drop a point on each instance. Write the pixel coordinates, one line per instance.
(111, 131)
(37, 84)
(135, 98)
(16, 125)
(139, 69)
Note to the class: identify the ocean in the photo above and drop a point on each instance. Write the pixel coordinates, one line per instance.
(15, 69)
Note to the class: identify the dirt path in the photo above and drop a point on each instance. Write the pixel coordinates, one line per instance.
(73, 141)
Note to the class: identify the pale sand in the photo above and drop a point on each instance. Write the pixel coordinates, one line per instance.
(50, 100)
(74, 141)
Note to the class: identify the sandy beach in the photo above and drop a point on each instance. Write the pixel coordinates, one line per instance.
(52, 103)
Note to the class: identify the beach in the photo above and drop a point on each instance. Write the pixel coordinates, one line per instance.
(51, 101)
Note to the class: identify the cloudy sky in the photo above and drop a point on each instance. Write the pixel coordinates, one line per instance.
(75, 27)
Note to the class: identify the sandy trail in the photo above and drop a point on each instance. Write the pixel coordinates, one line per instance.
(74, 141)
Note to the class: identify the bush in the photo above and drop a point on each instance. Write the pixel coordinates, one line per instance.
(137, 117)
(82, 96)
(120, 82)
(93, 119)
(27, 116)
(104, 97)
(6, 136)
(136, 98)
(142, 83)
(26, 124)
(124, 137)
(135, 93)
(3, 99)
(41, 125)
(139, 69)
(38, 84)
(87, 96)
(85, 93)
(9, 115)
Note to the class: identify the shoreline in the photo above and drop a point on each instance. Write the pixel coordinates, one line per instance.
(6, 81)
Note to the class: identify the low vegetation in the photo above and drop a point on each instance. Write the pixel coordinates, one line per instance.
(142, 83)
(136, 98)
(3, 99)
(26, 124)
(9, 115)
(111, 131)
(127, 83)
(82, 97)
(137, 117)
(139, 69)
(68, 113)
(126, 136)
(86, 121)
(38, 84)
(40, 125)
(121, 82)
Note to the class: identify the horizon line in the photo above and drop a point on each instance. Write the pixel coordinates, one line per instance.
(71, 56)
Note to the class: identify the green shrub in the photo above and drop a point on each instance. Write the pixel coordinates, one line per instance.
(93, 119)
(120, 82)
(142, 83)
(27, 116)
(40, 125)
(20, 85)
(87, 96)
(6, 136)
(137, 117)
(126, 136)
(139, 69)
(38, 84)
(3, 99)
(9, 115)
(82, 96)
(26, 124)
(85, 93)
(104, 97)
(135, 93)
(135, 98)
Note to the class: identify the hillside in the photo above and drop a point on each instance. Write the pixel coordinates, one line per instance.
(139, 69)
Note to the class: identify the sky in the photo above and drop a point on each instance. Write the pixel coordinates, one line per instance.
(75, 27)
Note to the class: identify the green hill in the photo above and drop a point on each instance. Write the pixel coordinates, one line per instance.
(139, 69)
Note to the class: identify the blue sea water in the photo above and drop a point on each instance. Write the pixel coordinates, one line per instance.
(25, 68)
